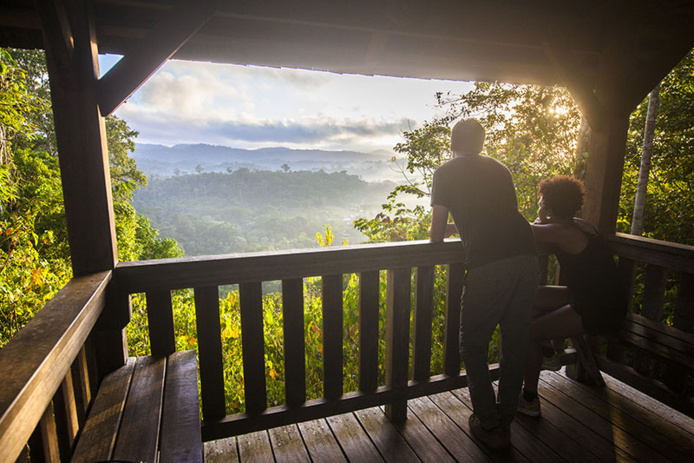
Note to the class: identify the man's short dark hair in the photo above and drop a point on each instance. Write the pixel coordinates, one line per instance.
(467, 137)
(563, 195)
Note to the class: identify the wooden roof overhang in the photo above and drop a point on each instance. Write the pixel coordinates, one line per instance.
(608, 53)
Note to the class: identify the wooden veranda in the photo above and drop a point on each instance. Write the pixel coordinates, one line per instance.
(609, 54)
(580, 423)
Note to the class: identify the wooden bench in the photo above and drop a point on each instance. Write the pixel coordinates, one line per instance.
(147, 410)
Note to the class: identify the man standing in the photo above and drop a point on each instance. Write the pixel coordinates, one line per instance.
(501, 274)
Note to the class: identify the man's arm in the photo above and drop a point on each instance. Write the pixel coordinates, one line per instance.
(440, 228)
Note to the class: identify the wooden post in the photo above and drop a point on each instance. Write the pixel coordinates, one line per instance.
(72, 60)
(397, 339)
(604, 174)
(81, 138)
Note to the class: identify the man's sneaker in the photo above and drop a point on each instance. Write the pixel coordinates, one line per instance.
(495, 438)
(552, 363)
(529, 407)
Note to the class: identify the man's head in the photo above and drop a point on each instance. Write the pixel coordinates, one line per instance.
(467, 138)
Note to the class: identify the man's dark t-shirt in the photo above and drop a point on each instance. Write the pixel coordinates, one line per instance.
(479, 193)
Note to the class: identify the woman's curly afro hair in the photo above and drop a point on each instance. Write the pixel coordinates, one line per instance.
(563, 195)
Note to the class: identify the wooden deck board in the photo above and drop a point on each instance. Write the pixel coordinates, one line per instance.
(578, 423)
(628, 433)
(320, 441)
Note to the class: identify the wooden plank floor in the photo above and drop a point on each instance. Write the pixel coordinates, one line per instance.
(578, 423)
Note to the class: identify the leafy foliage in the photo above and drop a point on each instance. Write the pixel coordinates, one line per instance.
(34, 249)
(248, 210)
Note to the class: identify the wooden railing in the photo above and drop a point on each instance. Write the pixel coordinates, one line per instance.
(49, 369)
(404, 263)
(650, 353)
(49, 374)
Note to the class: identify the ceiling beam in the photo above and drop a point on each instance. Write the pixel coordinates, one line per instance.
(56, 30)
(162, 41)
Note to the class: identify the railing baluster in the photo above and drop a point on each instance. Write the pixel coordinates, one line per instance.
(368, 330)
(332, 336)
(67, 424)
(253, 345)
(652, 308)
(294, 341)
(80, 382)
(397, 338)
(627, 269)
(43, 444)
(676, 377)
(210, 351)
(162, 338)
(451, 353)
(424, 306)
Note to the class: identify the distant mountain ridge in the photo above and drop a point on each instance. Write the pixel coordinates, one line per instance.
(160, 160)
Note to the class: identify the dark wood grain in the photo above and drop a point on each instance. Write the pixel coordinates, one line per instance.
(34, 363)
(222, 451)
(451, 343)
(397, 338)
(369, 292)
(332, 336)
(98, 438)
(421, 438)
(287, 444)
(390, 444)
(675, 256)
(650, 386)
(424, 306)
(255, 447)
(631, 435)
(81, 140)
(320, 441)
(65, 411)
(294, 341)
(352, 438)
(161, 323)
(187, 272)
(138, 436)
(181, 441)
(81, 385)
(210, 351)
(253, 344)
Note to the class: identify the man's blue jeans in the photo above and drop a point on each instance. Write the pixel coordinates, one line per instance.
(500, 293)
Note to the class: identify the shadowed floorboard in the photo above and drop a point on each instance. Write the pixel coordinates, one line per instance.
(578, 423)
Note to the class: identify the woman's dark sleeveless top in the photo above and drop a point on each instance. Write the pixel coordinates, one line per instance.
(595, 287)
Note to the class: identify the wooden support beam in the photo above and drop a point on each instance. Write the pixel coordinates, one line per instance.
(56, 30)
(81, 137)
(608, 138)
(604, 174)
(174, 30)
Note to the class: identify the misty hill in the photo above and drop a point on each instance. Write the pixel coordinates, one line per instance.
(164, 161)
(247, 210)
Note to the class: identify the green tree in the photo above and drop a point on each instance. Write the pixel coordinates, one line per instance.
(668, 212)
(34, 249)
(533, 130)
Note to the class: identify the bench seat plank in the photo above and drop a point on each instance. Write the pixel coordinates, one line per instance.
(181, 440)
(138, 438)
(98, 437)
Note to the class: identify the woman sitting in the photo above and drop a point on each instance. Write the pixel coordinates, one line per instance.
(593, 301)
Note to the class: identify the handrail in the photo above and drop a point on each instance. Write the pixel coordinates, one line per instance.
(674, 256)
(34, 363)
(189, 272)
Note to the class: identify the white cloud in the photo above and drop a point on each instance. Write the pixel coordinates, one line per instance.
(246, 106)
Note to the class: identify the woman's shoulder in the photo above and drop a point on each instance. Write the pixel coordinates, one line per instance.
(585, 227)
(564, 236)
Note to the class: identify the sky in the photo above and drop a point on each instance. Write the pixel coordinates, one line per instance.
(256, 107)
